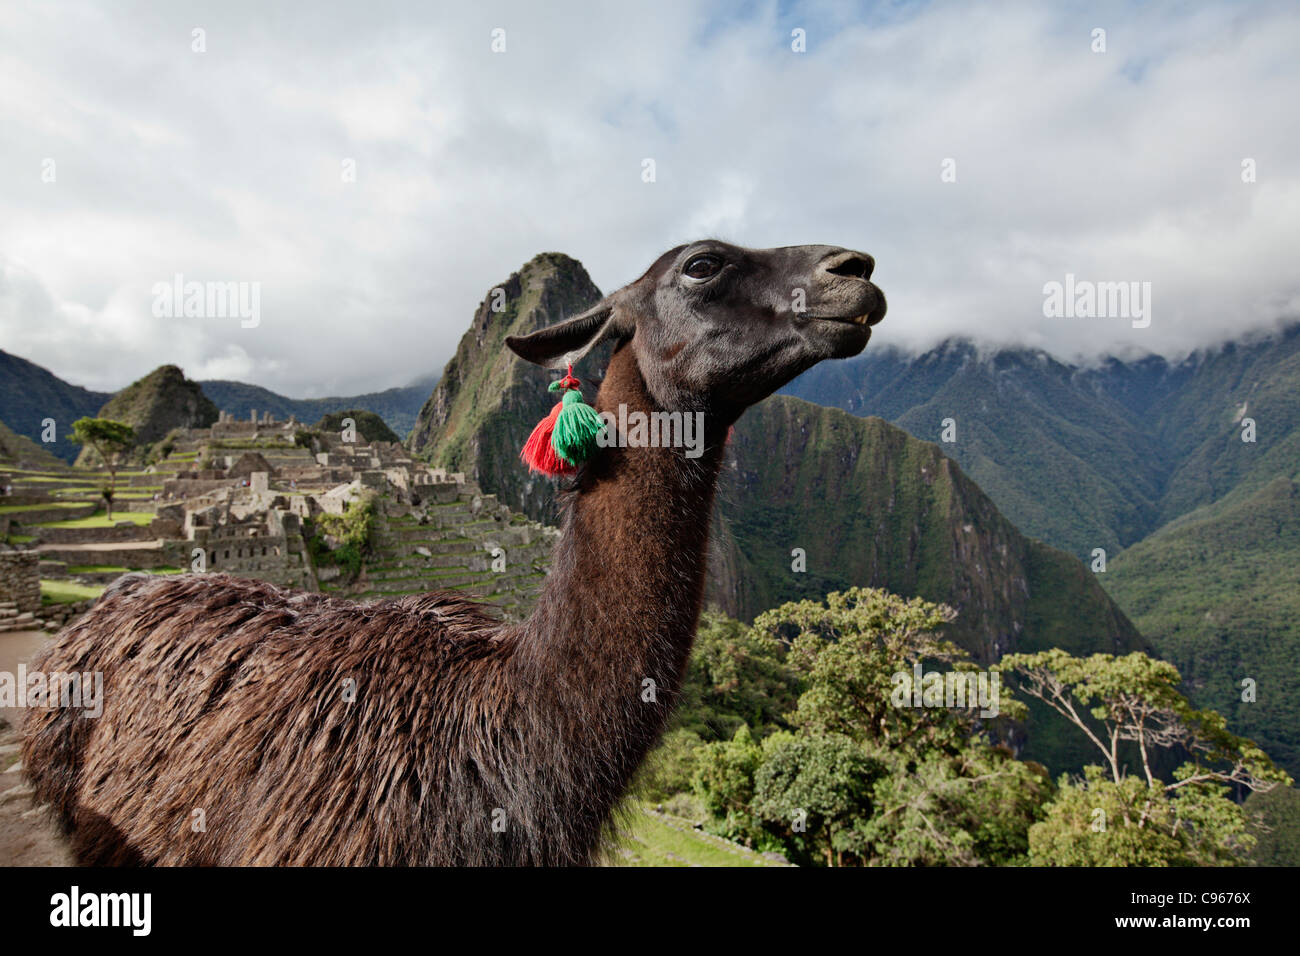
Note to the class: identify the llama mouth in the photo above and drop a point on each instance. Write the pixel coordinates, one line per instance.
(875, 312)
(866, 318)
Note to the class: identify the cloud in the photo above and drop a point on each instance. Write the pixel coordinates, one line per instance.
(227, 165)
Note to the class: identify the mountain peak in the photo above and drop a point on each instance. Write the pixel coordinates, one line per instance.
(486, 394)
(160, 401)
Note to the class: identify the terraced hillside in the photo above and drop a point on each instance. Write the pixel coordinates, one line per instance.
(56, 511)
(456, 538)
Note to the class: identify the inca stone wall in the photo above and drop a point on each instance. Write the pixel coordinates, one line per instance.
(20, 580)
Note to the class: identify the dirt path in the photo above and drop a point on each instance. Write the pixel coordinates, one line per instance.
(26, 837)
(18, 647)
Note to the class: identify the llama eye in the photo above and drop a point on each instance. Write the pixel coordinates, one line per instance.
(703, 267)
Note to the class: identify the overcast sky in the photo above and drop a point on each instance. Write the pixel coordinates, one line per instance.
(226, 166)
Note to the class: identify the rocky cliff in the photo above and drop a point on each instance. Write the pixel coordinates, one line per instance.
(487, 400)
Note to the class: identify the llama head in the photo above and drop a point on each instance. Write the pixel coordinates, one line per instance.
(719, 327)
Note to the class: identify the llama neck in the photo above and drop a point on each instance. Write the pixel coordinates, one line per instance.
(613, 628)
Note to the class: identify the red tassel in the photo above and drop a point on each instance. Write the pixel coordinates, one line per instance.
(538, 454)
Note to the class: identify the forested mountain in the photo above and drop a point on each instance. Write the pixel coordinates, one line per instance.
(1184, 473)
(1087, 457)
(154, 405)
(30, 394)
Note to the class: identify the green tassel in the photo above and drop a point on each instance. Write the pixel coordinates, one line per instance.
(574, 437)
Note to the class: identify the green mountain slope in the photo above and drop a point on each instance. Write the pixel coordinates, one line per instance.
(1200, 424)
(368, 425)
(1218, 594)
(1088, 457)
(16, 449)
(487, 400)
(871, 505)
(30, 394)
(154, 405)
(1063, 459)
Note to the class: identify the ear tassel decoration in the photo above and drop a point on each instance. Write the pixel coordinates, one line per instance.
(566, 437)
(538, 453)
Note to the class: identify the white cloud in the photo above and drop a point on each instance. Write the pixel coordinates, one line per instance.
(225, 166)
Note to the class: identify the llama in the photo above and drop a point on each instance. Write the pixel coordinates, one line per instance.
(245, 724)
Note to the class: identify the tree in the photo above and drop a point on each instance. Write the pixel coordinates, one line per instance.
(868, 779)
(724, 782)
(112, 441)
(817, 790)
(1136, 698)
(1096, 821)
(1141, 820)
(735, 676)
(971, 808)
(850, 652)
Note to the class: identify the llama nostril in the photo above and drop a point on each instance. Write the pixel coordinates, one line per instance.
(857, 265)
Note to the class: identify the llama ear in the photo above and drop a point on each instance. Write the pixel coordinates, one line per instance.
(559, 345)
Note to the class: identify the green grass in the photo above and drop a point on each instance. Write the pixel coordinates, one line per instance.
(115, 569)
(100, 520)
(652, 841)
(129, 491)
(20, 539)
(67, 592)
(16, 509)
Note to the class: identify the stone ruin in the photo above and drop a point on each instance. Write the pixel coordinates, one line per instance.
(242, 497)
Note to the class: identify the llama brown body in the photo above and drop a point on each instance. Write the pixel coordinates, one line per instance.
(246, 724)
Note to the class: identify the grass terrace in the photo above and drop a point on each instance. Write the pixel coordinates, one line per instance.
(134, 491)
(67, 592)
(659, 839)
(115, 569)
(100, 520)
(18, 509)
